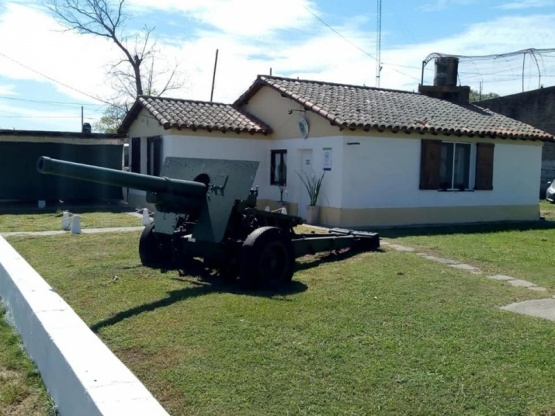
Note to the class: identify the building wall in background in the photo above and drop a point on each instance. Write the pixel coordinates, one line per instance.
(21, 181)
(536, 108)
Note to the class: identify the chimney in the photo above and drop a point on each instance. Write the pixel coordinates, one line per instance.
(445, 82)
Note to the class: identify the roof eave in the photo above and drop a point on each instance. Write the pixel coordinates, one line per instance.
(130, 117)
(445, 131)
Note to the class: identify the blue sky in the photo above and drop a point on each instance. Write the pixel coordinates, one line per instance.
(47, 74)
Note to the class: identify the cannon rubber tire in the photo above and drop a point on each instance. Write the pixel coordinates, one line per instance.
(153, 249)
(267, 259)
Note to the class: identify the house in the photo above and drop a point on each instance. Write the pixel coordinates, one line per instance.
(390, 157)
(20, 150)
(537, 108)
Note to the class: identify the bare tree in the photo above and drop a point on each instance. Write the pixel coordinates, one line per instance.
(106, 18)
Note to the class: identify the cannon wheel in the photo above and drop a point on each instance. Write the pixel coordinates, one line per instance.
(154, 249)
(267, 259)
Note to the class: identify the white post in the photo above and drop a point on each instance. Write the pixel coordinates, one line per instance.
(146, 218)
(75, 226)
(65, 221)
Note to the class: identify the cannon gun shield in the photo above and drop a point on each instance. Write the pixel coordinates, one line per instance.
(228, 181)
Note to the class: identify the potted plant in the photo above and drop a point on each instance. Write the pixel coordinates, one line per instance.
(312, 185)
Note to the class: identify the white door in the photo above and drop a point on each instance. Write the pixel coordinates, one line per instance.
(305, 167)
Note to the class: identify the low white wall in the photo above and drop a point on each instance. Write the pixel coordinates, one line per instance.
(80, 373)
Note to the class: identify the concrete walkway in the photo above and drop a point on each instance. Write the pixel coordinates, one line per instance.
(542, 308)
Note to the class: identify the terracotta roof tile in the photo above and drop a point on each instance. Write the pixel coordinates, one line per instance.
(195, 115)
(358, 107)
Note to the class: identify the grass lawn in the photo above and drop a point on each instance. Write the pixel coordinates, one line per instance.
(519, 250)
(375, 333)
(52, 220)
(21, 389)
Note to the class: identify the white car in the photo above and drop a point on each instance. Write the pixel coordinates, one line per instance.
(550, 193)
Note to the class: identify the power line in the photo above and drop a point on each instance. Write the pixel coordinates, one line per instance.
(47, 102)
(53, 79)
(354, 44)
(339, 34)
(48, 117)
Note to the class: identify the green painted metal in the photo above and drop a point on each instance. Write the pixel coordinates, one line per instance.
(207, 208)
(119, 177)
(335, 239)
(230, 181)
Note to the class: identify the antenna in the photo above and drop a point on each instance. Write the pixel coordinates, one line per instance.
(214, 76)
(379, 43)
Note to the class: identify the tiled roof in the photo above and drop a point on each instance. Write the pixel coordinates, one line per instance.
(357, 107)
(195, 115)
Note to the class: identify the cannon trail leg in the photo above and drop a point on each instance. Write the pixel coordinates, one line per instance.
(267, 259)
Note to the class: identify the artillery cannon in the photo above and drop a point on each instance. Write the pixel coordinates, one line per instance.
(206, 208)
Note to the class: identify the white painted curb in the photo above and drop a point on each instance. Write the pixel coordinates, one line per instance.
(80, 373)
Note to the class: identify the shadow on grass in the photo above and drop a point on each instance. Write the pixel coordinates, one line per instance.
(205, 283)
(466, 229)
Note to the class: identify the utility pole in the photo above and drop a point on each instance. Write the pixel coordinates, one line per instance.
(379, 43)
(214, 76)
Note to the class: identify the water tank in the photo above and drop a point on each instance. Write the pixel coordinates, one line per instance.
(446, 71)
(87, 128)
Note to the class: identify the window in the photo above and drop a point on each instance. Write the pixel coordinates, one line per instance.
(456, 166)
(278, 167)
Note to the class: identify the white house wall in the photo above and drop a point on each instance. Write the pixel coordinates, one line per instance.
(518, 172)
(373, 179)
(385, 172)
(145, 126)
(381, 185)
(282, 115)
(331, 191)
(201, 144)
(381, 172)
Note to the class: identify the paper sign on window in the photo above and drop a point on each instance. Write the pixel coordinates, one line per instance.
(327, 158)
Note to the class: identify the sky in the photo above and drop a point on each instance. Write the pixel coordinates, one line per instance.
(51, 78)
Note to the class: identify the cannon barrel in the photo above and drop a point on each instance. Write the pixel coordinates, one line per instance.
(90, 173)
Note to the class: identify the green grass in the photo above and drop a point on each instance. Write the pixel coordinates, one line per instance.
(520, 250)
(376, 333)
(21, 389)
(49, 221)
